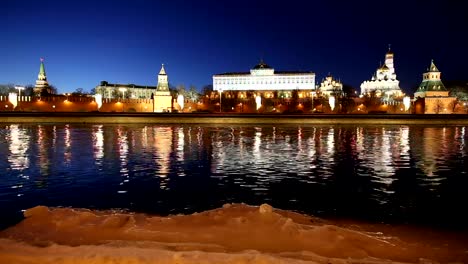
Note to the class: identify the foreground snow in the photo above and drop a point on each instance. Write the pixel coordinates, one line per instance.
(236, 233)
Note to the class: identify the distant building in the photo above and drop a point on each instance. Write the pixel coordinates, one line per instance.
(384, 82)
(330, 86)
(434, 94)
(42, 86)
(117, 90)
(265, 82)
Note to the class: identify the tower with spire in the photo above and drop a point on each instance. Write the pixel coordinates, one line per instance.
(41, 83)
(433, 93)
(162, 97)
(163, 83)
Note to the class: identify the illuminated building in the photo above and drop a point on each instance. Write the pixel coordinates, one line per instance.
(329, 86)
(264, 81)
(41, 83)
(112, 90)
(162, 95)
(115, 90)
(433, 92)
(384, 82)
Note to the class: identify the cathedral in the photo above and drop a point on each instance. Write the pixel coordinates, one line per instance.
(331, 87)
(384, 82)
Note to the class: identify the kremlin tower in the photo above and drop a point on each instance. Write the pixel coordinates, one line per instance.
(41, 83)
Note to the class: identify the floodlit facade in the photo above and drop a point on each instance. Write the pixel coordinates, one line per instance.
(433, 92)
(162, 96)
(331, 87)
(117, 90)
(384, 82)
(264, 81)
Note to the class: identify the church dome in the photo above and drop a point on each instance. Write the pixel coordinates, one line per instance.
(384, 68)
(262, 65)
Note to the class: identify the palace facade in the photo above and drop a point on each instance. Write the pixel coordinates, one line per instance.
(265, 82)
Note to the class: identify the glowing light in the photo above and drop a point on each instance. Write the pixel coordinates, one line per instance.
(331, 101)
(180, 101)
(18, 140)
(13, 99)
(98, 99)
(406, 102)
(258, 101)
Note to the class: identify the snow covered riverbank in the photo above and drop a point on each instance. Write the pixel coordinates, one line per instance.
(236, 233)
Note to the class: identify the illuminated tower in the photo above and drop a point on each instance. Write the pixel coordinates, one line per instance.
(41, 82)
(436, 97)
(163, 84)
(162, 97)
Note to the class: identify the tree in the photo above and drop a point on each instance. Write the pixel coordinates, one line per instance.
(53, 89)
(207, 89)
(29, 90)
(5, 89)
(79, 92)
(181, 89)
(192, 94)
(459, 91)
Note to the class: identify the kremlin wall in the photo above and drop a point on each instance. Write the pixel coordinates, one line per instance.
(260, 90)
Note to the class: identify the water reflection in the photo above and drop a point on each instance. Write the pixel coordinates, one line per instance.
(380, 168)
(19, 145)
(122, 144)
(163, 144)
(43, 145)
(98, 144)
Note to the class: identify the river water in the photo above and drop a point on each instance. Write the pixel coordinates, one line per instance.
(413, 175)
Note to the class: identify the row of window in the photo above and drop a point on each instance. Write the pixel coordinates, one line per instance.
(281, 81)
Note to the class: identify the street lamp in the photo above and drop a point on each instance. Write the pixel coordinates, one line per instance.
(313, 95)
(220, 100)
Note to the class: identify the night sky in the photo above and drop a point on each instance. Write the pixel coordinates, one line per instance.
(85, 42)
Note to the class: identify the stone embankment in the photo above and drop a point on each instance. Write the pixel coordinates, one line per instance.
(228, 118)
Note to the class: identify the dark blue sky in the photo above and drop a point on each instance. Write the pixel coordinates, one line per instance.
(84, 42)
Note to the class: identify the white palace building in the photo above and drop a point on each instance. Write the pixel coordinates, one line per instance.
(265, 82)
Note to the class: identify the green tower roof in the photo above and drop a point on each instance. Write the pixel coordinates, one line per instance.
(41, 68)
(433, 68)
(431, 85)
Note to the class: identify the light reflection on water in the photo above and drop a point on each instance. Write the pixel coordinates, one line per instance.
(388, 173)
